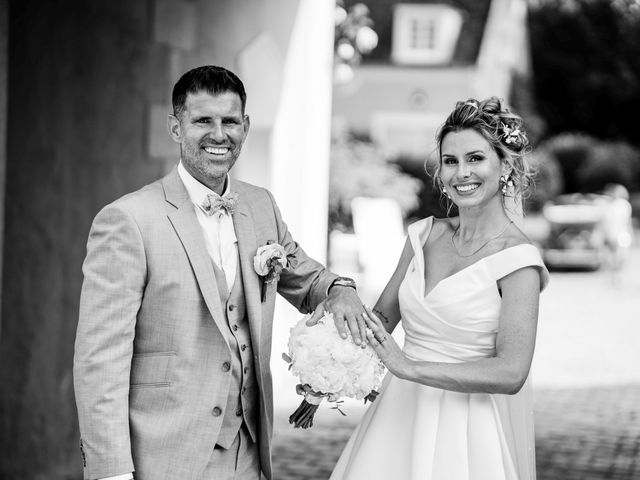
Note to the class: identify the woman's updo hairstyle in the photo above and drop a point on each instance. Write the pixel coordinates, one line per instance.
(501, 128)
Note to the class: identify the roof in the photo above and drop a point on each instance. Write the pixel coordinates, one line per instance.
(474, 13)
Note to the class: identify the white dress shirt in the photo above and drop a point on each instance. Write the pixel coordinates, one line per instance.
(219, 234)
(219, 238)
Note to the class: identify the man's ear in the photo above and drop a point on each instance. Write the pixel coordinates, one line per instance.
(174, 128)
(246, 121)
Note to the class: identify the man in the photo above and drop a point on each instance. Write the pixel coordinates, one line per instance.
(171, 367)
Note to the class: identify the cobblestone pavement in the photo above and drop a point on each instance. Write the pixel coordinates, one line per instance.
(581, 434)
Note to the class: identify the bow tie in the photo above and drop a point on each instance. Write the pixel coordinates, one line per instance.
(215, 203)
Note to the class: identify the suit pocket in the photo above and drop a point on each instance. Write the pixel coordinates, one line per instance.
(149, 370)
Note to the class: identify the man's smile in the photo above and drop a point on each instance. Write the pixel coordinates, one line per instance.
(216, 150)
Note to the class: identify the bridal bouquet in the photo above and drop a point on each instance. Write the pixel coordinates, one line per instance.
(330, 367)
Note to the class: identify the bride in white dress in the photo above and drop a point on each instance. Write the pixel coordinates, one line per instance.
(456, 403)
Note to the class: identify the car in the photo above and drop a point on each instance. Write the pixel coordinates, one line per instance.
(576, 237)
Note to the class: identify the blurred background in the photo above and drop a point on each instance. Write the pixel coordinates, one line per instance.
(345, 99)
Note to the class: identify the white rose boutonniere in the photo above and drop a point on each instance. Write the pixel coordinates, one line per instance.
(270, 260)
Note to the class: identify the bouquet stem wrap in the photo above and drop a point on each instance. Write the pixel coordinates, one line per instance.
(303, 416)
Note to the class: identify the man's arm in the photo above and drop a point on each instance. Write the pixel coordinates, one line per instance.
(309, 287)
(114, 278)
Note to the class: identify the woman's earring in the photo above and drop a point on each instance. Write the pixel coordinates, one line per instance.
(506, 183)
(445, 193)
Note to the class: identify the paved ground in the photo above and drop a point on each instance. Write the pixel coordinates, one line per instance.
(587, 388)
(581, 434)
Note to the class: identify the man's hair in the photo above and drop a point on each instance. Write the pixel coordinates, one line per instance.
(214, 80)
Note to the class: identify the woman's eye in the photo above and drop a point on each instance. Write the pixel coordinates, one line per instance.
(449, 161)
(475, 158)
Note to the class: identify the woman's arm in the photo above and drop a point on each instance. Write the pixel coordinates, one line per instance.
(387, 308)
(505, 372)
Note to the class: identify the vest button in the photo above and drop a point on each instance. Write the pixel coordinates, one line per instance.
(231, 307)
(239, 412)
(243, 347)
(235, 328)
(244, 389)
(246, 369)
(226, 366)
(217, 411)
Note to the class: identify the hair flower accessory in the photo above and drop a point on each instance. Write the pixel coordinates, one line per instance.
(270, 260)
(512, 135)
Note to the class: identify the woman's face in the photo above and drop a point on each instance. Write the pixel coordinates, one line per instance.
(470, 169)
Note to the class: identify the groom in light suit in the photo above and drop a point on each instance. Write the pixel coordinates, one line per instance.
(171, 366)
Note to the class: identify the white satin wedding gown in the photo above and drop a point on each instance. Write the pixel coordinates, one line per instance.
(416, 432)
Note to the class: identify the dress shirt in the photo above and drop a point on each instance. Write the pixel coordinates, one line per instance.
(219, 234)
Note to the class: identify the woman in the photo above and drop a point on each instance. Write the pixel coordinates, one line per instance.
(456, 404)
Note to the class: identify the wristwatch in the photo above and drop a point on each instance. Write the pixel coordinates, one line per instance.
(343, 282)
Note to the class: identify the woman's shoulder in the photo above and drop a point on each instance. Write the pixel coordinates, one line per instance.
(430, 228)
(442, 225)
(517, 252)
(514, 237)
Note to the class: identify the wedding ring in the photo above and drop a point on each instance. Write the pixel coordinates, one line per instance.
(383, 339)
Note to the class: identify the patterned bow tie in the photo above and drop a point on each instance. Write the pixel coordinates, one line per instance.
(215, 203)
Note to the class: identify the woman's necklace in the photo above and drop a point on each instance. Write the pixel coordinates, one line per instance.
(481, 246)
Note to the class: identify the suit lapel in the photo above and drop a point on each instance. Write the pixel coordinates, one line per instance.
(188, 229)
(245, 233)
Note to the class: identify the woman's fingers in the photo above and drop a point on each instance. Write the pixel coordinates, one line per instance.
(372, 326)
(373, 341)
(374, 318)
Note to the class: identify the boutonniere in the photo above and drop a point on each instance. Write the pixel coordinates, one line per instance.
(270, 260)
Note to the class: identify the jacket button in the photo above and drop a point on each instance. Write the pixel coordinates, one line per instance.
(231, 307)
(235, 328)
(239, 412)
(246, 369)
(244, 389)
(226, 366)
(243, 347)
(217, 411)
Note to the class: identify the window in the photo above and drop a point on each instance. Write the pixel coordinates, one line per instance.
(424, 34)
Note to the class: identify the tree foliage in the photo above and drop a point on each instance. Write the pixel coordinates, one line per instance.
(359, 169)
(586, 62)
(588, 164)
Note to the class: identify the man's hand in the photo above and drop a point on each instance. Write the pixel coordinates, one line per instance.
(347, 310)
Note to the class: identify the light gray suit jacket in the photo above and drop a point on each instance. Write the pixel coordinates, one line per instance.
(149, 349)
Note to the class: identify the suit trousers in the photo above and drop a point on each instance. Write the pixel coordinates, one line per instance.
(241, 461)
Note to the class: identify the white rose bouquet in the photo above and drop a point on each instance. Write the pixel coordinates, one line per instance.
(329, 366)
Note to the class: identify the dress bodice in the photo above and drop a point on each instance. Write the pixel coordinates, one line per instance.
(457, 320)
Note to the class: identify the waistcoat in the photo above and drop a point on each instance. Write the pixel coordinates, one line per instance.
(243, 398)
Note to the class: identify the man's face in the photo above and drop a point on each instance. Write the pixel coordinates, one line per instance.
(210, 131)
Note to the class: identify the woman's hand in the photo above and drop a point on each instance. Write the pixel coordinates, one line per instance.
(385, 346)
